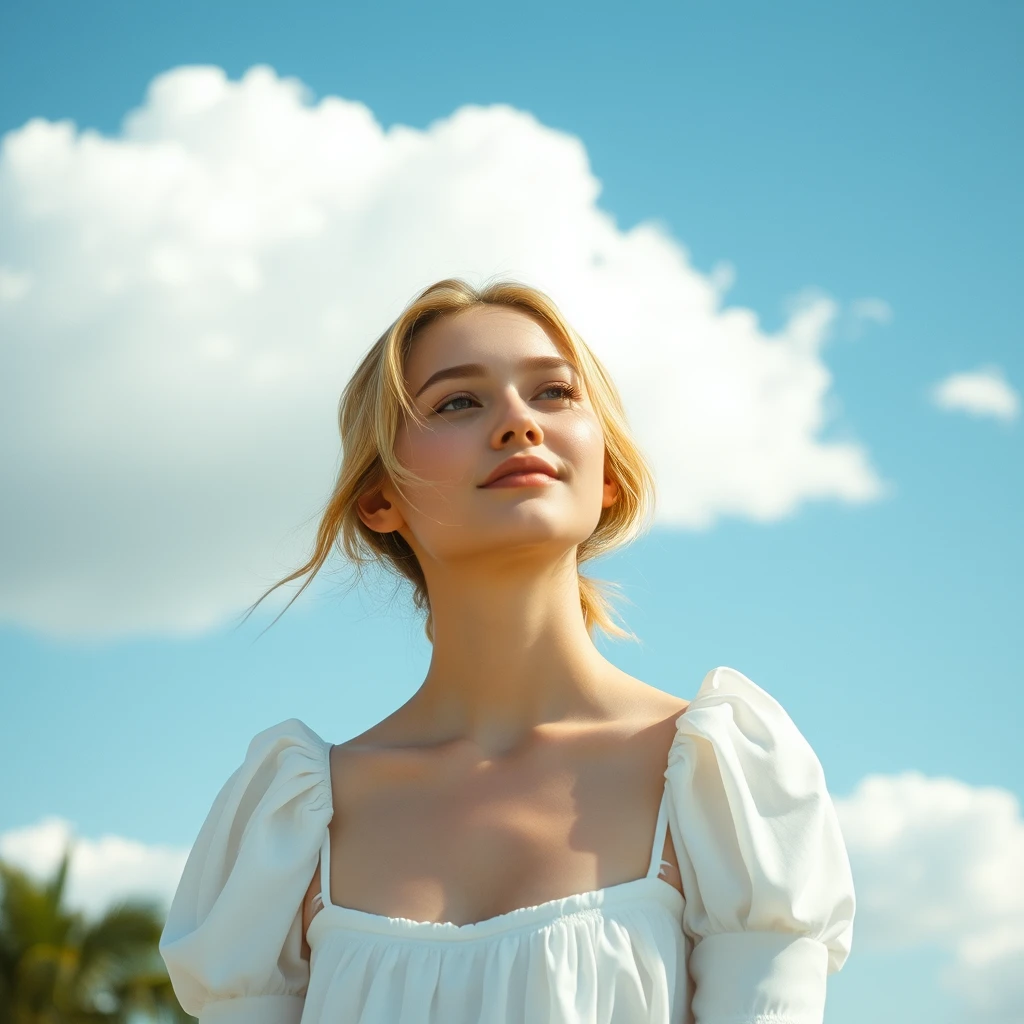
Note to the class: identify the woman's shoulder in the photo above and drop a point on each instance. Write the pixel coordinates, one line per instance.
(727, 685)
(287, 757)
(741, 729)
(769, 891)
(242, 884)
(291, 732)
(739, 755)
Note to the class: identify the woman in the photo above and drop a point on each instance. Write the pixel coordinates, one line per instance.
(535, 836)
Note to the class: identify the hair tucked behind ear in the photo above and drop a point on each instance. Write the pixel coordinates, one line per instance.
(374, 404)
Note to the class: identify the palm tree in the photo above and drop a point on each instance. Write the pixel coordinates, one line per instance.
(58, 967)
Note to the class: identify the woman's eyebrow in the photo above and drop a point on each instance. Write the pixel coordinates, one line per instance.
(478, 369)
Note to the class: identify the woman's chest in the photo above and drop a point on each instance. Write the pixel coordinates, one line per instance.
(462, 842)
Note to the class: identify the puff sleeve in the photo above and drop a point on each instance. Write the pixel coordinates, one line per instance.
(769, 891)
(233, 936)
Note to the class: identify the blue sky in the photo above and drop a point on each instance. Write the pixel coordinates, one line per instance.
(862, 162)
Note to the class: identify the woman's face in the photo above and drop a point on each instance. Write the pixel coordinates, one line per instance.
(476, 421)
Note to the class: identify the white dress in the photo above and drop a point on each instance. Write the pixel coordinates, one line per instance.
(768, 912)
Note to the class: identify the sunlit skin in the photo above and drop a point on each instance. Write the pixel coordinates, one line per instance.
(510, 646)
(526, 766)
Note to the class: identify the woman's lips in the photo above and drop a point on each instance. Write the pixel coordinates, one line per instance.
(531, 479)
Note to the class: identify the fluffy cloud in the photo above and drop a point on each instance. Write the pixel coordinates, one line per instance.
(877, 310)
(863, 312)
(101, 870)
(938, 862)
(181, 305)
(982, 392)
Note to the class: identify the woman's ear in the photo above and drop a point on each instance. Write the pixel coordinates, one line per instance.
(611, 491)
(378, 512)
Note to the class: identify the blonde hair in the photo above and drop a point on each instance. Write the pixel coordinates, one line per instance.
(371, 411)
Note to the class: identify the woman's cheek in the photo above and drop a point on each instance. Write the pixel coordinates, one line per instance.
(440, 457)
(582, 443)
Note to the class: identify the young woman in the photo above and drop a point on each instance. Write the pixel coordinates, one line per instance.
(535, 836)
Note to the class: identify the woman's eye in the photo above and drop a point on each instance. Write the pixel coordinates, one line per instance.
(564, 391)
(454, 398)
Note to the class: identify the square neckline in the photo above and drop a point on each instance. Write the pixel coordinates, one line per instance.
(558, 908)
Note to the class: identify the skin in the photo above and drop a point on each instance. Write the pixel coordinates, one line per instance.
(526, 767)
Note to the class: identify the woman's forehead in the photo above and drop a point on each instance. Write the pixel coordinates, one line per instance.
(491, 335)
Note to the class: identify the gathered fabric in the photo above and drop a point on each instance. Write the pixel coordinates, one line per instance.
(767, 913)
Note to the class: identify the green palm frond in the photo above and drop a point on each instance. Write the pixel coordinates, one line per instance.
(58, 967)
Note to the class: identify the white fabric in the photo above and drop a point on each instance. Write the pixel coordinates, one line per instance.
(768, 912)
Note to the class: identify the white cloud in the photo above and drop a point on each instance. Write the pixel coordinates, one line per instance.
(981, 392)
(185, 301)
(101, 870)
(938, 862)
(877, 310)
(861, 313)
(13, 285)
